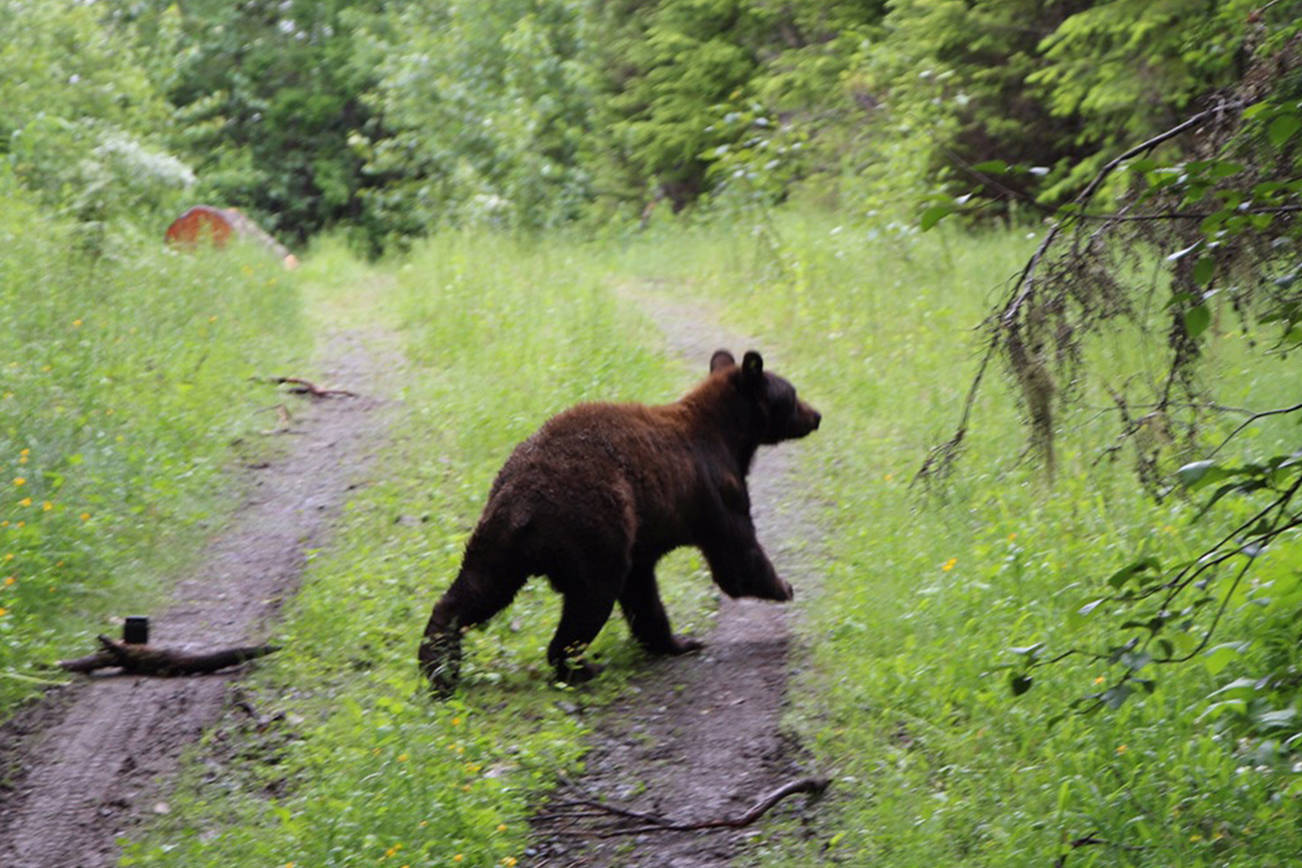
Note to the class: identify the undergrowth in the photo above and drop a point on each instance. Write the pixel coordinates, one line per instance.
(928, 600)
(124, 381)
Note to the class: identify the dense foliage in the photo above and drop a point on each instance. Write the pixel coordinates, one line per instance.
(393, 118)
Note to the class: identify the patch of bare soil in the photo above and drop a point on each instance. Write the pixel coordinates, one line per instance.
(699, 737)
(87, 763)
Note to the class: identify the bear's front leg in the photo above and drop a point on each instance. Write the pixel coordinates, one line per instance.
(582, 617)
(645, 613)
(741, 568)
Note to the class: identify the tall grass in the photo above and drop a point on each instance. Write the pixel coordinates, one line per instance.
(124, 379)
(906, 698)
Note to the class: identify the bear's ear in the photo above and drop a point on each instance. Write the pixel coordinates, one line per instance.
(721, 359)
(752, 367)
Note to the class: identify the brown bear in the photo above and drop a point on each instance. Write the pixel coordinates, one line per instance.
(600, 493)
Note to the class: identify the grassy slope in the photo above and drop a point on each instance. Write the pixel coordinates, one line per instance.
(123, 382)
(904, 701)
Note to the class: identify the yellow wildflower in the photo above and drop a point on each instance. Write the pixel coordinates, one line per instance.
(76, 323)
(85, 516)
(501, 827)
(3, 611)
(19, 481)
(949, 564)
(47, 506)
(402, 757)
(9, 581)
(26, 501)
(1098, 680)
(509, 861)
(457, 858)
(1121, 748)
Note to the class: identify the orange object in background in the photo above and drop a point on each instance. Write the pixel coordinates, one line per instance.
(215, 226)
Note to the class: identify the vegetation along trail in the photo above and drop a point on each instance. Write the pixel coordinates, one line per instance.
(91, 757)
(699, 738)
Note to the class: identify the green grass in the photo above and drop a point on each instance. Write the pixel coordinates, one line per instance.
(905, 699)
(902, 693)
(123, 382)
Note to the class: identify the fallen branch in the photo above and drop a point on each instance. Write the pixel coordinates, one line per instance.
(300, 386)
(149, 660)
(812, 786)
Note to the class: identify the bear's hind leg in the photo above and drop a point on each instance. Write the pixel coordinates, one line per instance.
(472, 599)
(645, 614)
(582, 617)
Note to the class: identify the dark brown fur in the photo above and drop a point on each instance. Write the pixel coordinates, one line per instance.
(600, 493)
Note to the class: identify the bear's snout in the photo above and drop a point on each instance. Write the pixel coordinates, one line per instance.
(807, 419)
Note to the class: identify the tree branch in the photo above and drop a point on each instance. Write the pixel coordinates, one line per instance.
(812, 785)
(166, 662)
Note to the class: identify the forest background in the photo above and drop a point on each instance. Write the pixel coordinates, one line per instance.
(798, 126)
(392, 119)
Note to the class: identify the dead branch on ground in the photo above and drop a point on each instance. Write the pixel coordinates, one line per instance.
(654, 823)
(150, 660)
(300, 386)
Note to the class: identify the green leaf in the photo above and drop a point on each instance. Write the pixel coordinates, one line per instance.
(1283, 128)
(1199, 473)
(1257, 108)
(1031, 651)
(1224, 168)
(1203, 270)
(991, 167)
(1115, 697)
(1197, 319)
(1280, 719)
(1076, 617)
(1216, 659)
(935, 214)
(1130, 571)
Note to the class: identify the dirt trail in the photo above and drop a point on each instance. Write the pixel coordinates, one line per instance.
(699, 737)
(84, 765)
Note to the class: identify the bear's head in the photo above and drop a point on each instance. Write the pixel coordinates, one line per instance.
(778, 414)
